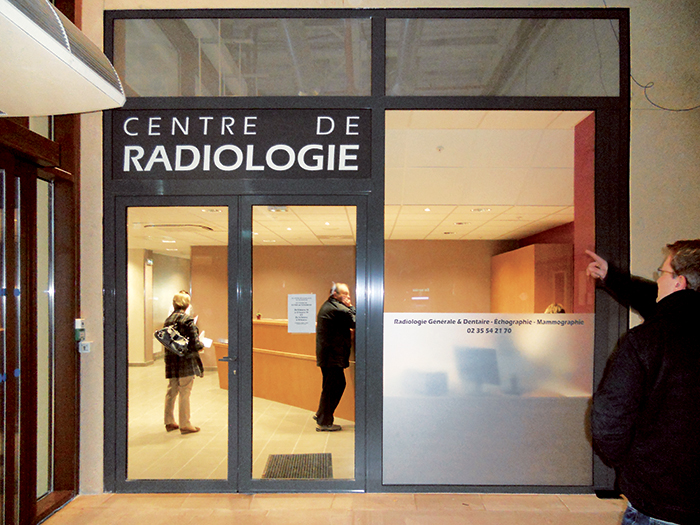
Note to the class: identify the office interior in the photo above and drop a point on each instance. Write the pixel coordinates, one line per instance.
(662, 143)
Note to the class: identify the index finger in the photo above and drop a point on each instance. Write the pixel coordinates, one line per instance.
(597, 258)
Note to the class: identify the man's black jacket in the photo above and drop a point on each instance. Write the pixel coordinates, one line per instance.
(645, 411)
(333, 334)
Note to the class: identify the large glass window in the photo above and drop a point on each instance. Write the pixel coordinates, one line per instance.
(486, 213)
(243, 57)
(173, 250)
(502, 57)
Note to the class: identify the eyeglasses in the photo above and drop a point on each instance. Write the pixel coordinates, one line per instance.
(661, 270)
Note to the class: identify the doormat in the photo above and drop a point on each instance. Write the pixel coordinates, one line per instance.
(298, 466)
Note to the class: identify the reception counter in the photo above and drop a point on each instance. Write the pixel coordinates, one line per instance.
(284, 368)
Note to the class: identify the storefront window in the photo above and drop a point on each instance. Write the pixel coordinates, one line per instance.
(487, 215)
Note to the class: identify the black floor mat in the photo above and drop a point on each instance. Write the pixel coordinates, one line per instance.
(298, 466)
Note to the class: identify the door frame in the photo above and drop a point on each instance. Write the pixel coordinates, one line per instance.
(240, 348)
(27, 157)
(245, 344)
(116, 408)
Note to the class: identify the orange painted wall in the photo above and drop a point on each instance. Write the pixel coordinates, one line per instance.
(282, 270)
(584, 218)
(209, 274)
(529, 279)
(455, 276)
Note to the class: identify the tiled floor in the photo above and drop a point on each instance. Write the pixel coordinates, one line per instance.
(338, 509)
(277, 429)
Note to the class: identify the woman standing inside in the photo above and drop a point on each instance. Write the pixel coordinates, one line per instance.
(180, 371)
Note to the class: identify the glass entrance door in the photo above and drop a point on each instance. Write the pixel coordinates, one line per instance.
(178, 406)
(253, 420)
(303, 384)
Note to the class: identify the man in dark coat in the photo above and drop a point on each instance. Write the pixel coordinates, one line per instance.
(645, 410)
(334, 329)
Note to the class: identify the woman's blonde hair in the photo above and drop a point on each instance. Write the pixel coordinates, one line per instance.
(181, 300)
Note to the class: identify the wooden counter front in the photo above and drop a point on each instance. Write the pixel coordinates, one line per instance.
(284, 368)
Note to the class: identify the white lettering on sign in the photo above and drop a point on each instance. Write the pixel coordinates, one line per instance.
(252, 157)
(229, 157)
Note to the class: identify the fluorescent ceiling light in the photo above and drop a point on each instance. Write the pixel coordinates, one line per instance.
(49, 67)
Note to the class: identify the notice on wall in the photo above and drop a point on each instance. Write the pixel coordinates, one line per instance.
(301, 313)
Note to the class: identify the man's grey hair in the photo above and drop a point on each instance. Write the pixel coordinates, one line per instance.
(685, 261)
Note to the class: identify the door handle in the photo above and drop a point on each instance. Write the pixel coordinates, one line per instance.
(230, 359)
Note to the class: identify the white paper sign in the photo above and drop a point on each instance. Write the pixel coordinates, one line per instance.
(301, 313)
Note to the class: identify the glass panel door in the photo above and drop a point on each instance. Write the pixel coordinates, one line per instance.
(45, 338)
(178, 410)
(3, 347)
(304, 279)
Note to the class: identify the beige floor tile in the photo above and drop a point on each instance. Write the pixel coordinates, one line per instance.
(146, 501)
(375, 502)
(292, 501)
(278, 429)
(522, 502)
(238, 517)
(591, 503)
(309, 517)
(88, 501)
(340, 509)
(218, 502)
(448, 502)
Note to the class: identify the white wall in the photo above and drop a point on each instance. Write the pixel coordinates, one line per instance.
(136, 314)
(665, 155)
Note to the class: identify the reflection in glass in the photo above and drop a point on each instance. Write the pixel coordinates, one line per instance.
(45, 309)
(243, 57)
(172, 249)
(487, 217)
(502, 57)
(298, 252)
(3, 354)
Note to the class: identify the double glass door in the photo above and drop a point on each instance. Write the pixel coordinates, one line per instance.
(254, 276)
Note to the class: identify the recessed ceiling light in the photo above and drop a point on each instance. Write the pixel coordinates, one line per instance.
(289, 229)
(211, 210)
(427, 209)
(481, 210)
(171, 249)
(328, 224)
(169, 241)
(269, 240)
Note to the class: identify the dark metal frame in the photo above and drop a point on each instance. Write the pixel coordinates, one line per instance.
(27, 157)
(612, 234)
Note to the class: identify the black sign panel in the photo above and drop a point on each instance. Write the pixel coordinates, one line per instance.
(241, 144)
